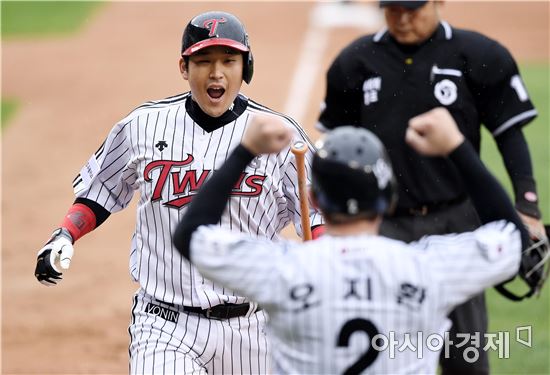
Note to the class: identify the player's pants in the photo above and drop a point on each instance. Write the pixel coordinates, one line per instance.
(470, 317)
(164, 339)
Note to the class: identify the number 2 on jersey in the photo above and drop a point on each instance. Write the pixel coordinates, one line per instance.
(347, 331)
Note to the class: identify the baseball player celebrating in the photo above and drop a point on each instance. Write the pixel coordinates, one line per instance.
(166, 149)
(340, 304)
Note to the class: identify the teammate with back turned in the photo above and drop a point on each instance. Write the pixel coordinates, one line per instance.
(416, 63)
(166, 149)
(335, 303)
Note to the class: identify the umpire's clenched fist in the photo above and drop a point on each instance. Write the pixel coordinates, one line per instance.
(58, 249)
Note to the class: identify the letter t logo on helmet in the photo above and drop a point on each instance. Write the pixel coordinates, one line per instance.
(218, 29)
(212, 25)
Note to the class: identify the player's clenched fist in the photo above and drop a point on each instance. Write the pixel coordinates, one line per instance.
(59, 249)
(434, 133)
(266, 135)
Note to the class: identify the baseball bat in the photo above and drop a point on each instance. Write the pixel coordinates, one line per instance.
(299, 150)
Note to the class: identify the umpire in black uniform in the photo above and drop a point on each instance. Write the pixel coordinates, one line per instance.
(417, 63)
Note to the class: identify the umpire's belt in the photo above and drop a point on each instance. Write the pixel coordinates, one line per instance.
(224, 311)
(428, 208)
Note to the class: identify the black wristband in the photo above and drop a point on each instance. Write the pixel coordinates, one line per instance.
(525, 191)
(101, 214)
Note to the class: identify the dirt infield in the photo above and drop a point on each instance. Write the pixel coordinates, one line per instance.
(72, 90)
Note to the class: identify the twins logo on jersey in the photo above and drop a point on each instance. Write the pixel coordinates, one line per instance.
(184, 188)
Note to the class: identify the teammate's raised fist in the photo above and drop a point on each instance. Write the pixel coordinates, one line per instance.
(266, 134)
(434, 133)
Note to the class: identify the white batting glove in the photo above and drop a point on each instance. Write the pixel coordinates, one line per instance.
(59, 249)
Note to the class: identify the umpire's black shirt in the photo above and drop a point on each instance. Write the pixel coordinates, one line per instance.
(378, 84)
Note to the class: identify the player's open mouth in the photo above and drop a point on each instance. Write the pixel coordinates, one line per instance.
(215, 92)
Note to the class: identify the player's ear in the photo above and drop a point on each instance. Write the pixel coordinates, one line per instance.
(313, 199)
(183, 68)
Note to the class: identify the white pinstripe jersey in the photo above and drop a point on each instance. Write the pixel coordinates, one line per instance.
(161, 151)
(328, 298)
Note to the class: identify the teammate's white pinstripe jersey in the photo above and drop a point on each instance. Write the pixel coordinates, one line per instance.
(328, 298)
(160, 150)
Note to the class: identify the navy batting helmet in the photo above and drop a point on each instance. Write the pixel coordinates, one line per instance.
(218, 29)
(352, 174)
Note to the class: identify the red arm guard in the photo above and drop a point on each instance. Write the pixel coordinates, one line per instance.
(317, 231)
(79, 220)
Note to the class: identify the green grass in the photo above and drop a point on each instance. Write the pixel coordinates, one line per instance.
(7, 110)
(44, 18)
(41, 19)
(505, 315)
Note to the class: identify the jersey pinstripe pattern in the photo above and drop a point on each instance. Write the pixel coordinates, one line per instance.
(166, 176)
(195, 344)
(328, 298)
(160, 151)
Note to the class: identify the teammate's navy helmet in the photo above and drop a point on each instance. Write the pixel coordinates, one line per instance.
(218, 29)
(352, 174)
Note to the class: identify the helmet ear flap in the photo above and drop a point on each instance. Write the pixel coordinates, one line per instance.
(248, 67)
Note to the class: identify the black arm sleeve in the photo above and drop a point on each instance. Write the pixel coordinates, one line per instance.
(488, 196)
(208, 205)
(101, 214)
(515, 153)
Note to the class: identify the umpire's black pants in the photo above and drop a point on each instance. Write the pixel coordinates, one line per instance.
(471, 316)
